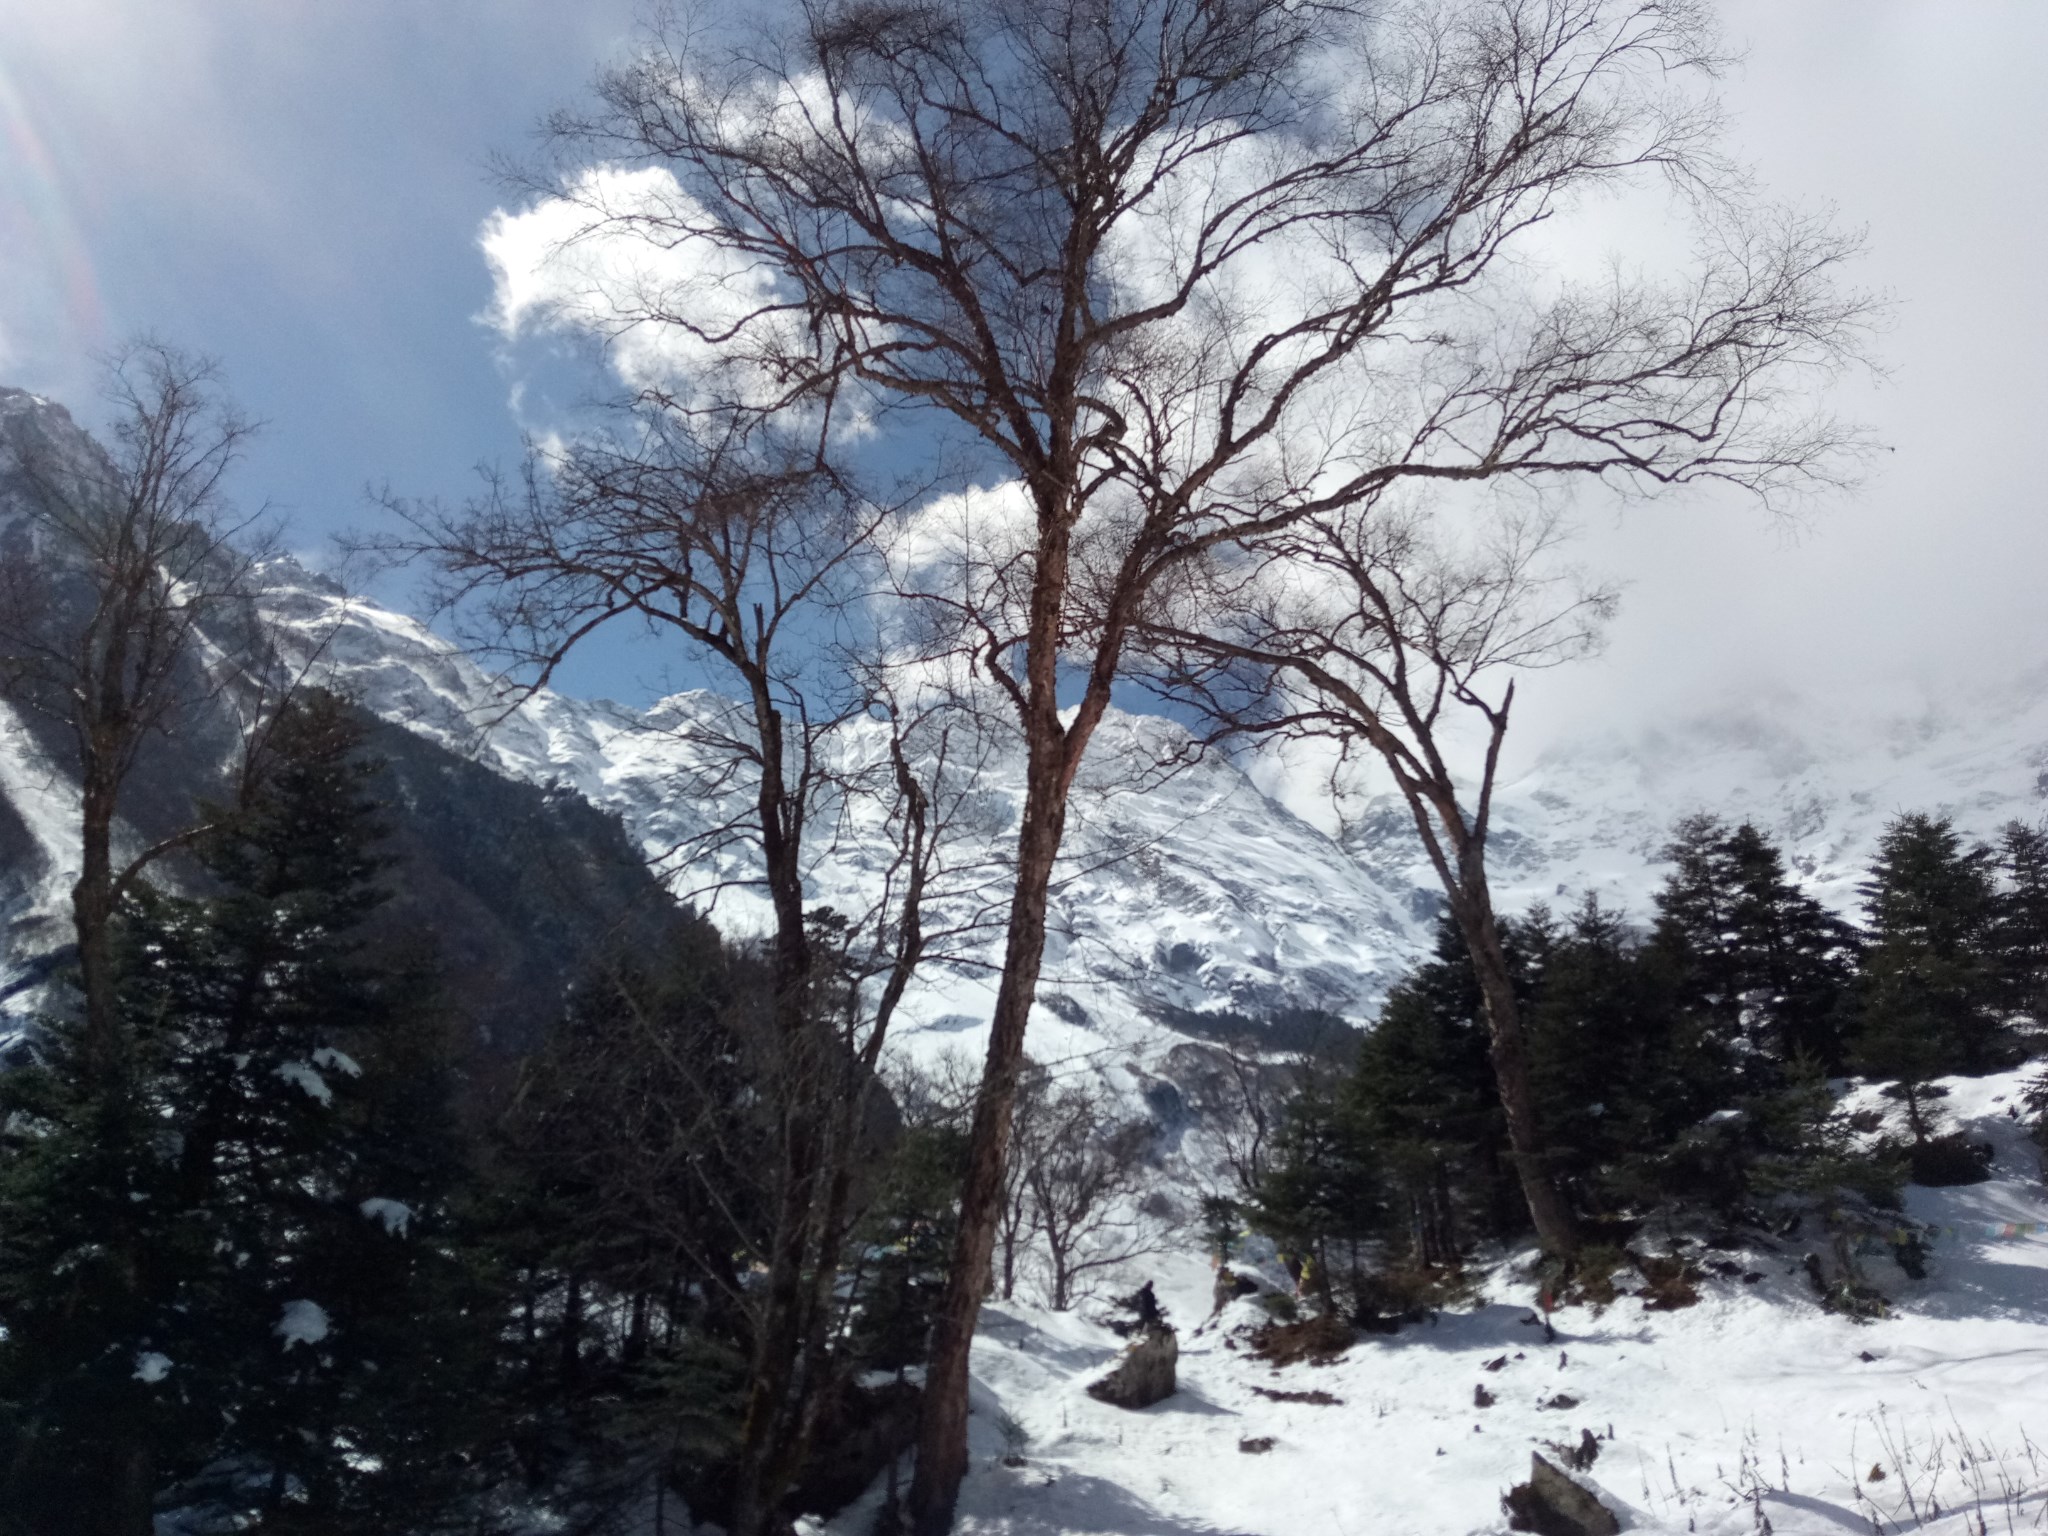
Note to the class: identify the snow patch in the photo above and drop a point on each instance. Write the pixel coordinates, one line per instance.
(1753, 1406)
(301, 1075)
(303, 1322)
(396, 1215)
(336, 1061)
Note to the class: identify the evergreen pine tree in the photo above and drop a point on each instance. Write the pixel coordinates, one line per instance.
(1618, 1072)
(92, 1262)
(2019, 930)
(1323, 1197)
(1929, 986)
(1424, 1089)
(1763, 969)
(329, 1330)
(1799, 960)
(1695, 937)
(288, 1338)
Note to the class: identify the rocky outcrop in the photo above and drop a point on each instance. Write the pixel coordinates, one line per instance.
(1145, 1374)
(1553, 1503)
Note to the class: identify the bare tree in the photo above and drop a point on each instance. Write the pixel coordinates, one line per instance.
(1013, 1218)
(1188, 273)
(103, 590)
(1361, 629)
(1253, 1097)
(1081, 1163)
(741, 542)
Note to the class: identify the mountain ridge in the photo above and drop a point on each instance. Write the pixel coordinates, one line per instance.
(1204, 893)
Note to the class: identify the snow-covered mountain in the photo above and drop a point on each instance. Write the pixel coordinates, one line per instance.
(1192, 889)
(1184, 887)
(1189, 890)
(1820, 778)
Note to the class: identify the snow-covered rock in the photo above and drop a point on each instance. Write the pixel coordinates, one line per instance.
(302, 1322)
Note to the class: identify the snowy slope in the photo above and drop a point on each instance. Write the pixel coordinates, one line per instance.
(1754, 1405)
(1820, 778)
(38, 806)
(1194, 891)
(1197, 890)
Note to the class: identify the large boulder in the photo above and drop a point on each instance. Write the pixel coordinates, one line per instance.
(1554, 1503)
(1145, 1374)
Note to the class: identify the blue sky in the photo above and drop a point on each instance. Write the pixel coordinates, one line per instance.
(299, 189)
(296, 189)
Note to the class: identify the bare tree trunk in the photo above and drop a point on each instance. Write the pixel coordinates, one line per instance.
(1508, 1047)
(942, 1427)
(92, 912)
(779, 1339)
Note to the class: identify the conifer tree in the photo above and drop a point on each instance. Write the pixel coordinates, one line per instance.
(1695, 934)
(1929, 987)
(1324, 1194)
(1424, 1084)
(297, 1341)
(2019, 937)
(308, 1081)
(89, 1406)
(1621, 1072)
(1763, 968)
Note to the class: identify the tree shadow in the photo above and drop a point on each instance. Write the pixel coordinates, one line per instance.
(1504, 1328)
(1066, 1503)
(1027, 1338)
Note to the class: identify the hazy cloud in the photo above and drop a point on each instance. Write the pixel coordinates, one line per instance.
(301, 190)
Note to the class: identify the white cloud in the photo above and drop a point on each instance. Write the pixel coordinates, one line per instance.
(666, 308)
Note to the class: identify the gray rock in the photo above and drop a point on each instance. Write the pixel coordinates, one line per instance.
(1553, 1503)
(1145, 1374)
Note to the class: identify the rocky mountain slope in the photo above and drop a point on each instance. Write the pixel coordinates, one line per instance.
(1193, 890)
(1821, 778)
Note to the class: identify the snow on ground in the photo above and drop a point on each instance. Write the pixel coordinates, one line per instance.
(1753, 1406)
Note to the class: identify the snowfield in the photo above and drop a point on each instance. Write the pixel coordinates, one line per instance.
(1752, 1411)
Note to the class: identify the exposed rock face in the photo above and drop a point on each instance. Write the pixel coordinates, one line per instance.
(1552, 1503)
(1145, 1375)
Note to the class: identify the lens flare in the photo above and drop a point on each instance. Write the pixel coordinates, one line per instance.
(37, 229)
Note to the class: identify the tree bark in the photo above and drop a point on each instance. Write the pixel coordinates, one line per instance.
(942, 1427)
(1508, 1047)
(768, 1423)
(92, 914)
(131, 1491)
